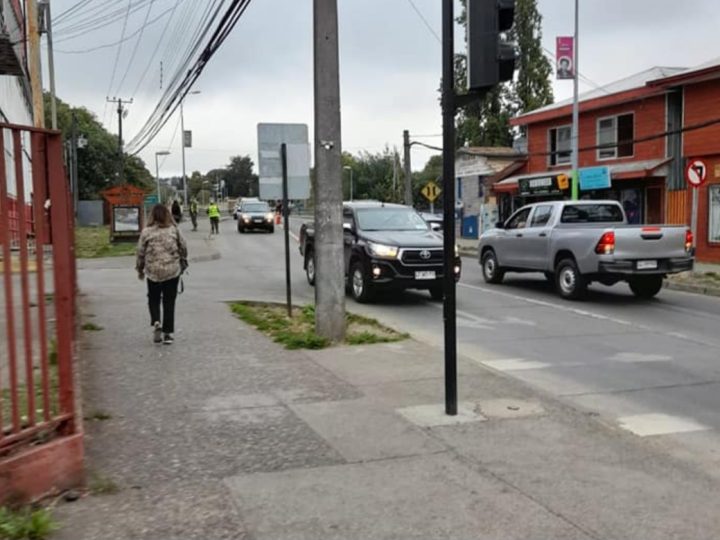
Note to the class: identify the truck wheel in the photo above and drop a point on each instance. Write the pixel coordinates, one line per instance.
(570, 283)
(310, 268)
(492, 273)
(437, 293)
(646, 286)
(360, 289)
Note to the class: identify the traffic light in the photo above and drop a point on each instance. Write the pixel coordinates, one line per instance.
(491, 59)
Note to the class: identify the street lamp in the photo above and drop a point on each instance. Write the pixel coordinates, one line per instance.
(157, 171)
(348, 168)
(182, 144)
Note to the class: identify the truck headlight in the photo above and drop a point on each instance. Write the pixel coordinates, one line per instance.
(381, 250)
(246, 218)
(269, 216)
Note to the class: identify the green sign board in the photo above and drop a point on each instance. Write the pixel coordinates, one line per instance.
(151, 199)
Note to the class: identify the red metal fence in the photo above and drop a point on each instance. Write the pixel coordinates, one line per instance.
(37, 293)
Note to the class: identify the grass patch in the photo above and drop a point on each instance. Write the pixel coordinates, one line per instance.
(5, 398)
(299, 332)
(26, 524)
(102, 485)
(94, 242)
(91, 327)
(99, 416)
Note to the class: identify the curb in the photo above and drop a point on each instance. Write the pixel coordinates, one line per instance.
(691, 288)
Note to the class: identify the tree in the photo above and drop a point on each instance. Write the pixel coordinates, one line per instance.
(532, 88)
(375, 176)
(240, 180)
(486, 122)
(98, 160)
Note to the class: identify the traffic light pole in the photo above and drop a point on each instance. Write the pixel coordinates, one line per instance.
(449, 107)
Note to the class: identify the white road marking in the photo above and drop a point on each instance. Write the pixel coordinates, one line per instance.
(552, 305)
(513, 364)
(434, 415)
(646, 425)
(632, 357)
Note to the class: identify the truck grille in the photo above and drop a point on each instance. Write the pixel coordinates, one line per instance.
(422, 257)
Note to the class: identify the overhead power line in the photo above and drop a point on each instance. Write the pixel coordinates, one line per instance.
(200, 51)
(425, 21)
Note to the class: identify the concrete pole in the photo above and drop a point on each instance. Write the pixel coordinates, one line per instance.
(408, 171)
(34, 65)
(121, 176)
(329, 258)
(182, 144)
(576, 110)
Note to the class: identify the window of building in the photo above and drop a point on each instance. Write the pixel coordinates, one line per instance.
(615, 136)
(714, 214)
(560, 150)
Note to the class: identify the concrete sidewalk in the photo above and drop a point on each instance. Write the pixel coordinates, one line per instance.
(225, 435)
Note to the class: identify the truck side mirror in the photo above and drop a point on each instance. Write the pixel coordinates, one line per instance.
(437, 227)
(500, 225)
(347, 227)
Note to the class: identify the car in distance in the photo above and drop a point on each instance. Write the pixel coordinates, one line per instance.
(255, 215)
(387, 246)
(575, 243)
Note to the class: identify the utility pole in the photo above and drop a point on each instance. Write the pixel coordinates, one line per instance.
(46, 27)
(408, 171)
(122, 112)
(576, 111)
(74, 152)
(34, 66)
(184, 145)
(329, 259)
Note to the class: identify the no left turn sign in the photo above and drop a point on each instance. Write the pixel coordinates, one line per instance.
(696, 173)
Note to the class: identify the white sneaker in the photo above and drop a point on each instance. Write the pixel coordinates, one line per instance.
(157, 333)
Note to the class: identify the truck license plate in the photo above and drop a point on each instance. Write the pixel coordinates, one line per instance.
(647, 265)
(425, 275)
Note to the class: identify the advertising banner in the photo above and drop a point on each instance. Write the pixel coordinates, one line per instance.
(565, 55)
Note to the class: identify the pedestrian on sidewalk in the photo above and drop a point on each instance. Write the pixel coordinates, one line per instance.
(161, 258)
(176, 211)
(213, 213)
(194, 213)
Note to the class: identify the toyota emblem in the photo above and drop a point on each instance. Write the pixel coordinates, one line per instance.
(425, 254)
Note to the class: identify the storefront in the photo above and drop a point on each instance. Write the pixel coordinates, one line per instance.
(640, 188)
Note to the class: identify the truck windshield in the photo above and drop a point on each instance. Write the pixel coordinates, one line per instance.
(592, 213)
(257, 207)
(390, 219)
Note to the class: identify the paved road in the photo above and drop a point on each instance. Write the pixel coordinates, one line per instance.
(652, 367)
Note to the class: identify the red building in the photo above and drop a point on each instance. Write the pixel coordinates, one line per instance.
(644, 129)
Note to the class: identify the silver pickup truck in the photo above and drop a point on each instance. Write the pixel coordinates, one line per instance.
(577, 242)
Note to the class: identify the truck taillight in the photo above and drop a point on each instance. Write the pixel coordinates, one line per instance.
(688, 240)
(606, 245)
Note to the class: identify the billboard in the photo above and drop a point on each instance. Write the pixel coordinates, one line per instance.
(565, 57)
(270, 138)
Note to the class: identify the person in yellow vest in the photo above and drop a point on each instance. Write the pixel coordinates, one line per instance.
(213, 213)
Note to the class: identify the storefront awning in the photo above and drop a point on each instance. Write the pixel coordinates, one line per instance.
(621, 171)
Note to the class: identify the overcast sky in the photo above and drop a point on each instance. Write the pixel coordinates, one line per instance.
(389, 67)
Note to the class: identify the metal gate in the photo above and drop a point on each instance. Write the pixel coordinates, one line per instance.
(37, 295)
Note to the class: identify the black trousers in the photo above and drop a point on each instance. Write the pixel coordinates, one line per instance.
(193, 218)
(215, 224)
(165, 292)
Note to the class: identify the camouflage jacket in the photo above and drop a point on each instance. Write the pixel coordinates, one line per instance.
(159, 252)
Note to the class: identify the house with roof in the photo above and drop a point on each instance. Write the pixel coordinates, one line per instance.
(644, 129)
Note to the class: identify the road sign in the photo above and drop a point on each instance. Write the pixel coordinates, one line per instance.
(431, 191)
(187, 138)
(696, 173)
(270, 138)
(151, 200)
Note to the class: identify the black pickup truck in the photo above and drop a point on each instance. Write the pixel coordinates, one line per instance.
(387, 246)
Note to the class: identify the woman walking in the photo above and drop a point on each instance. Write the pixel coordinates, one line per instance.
(161, 256)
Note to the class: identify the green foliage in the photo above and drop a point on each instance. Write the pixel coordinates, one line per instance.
(240, 181)
(26, 524)
(299, 333)
(91, 327)
(98, 162)
(486, 123)
(375, 176)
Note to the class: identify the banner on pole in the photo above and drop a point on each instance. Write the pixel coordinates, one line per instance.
(565, 57)
(187, 138)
